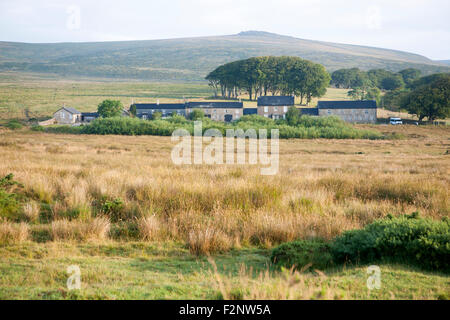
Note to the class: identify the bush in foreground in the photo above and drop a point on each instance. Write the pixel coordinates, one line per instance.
(303, 253)
(407, 239)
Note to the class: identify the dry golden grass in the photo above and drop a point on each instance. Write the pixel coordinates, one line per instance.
(95, 230)
(149, 228)
(13, 232)
(323, 186)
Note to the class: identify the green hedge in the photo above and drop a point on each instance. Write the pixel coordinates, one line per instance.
(407, 239)
(307, 127)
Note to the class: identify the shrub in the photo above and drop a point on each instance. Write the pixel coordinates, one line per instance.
(406, 239)
(303, 253)
(38, 128)
(9, 200)
(113, 208)
(14, 124)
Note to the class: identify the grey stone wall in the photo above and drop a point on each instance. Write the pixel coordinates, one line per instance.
(351, 115)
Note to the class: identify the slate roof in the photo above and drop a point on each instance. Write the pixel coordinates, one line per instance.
(216, 105)
(89, 114)
(145, 106)
(367, 104)
(70, 110)
(309, 111)
(275, 101)
(249, 111)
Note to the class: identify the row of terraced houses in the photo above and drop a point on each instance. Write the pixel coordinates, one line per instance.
(273, 107)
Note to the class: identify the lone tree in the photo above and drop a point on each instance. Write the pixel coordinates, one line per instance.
(133, 110)
(110, 108)
(196, 114)
(430, 101)
(292, 116)
(156, 115)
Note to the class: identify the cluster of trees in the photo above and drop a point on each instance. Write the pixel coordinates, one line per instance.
(368, 85)
(261, 76)
(376, 78)
(426, 97)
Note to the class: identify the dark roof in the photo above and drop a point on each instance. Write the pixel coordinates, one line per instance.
(141, 106)
(275, 101)
(248, 111)
(367, 104)
(89, 114)
(217, 105)
(309, 111)
(70, 110)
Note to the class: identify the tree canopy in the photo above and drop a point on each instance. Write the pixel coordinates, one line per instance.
(276, 75)
(430, 101)
(110, 108)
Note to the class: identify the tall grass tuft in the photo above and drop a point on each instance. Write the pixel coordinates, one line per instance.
(207, 241)
(13, 232)
(149, 228)
(95, 230)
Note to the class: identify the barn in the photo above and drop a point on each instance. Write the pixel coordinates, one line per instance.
(350, 111)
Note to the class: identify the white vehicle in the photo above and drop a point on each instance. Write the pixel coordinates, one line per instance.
(396, 121)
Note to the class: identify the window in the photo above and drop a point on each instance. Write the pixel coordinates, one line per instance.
(329, 111)
(237, 112)
(63, 115)
(285, 109)
(266, 109)
(275, 109)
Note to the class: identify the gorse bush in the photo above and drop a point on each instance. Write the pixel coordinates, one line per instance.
(303, 253)
(306, 127)
(10, 201)
(407, 239)
(14, 124)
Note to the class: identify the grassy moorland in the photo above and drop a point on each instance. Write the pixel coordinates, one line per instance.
(139, 226)
(41, 96)
(191, 59)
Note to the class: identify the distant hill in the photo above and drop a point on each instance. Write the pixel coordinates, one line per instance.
(190, 59)
(446, 62)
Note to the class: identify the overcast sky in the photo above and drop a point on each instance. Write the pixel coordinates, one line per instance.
(419, 26)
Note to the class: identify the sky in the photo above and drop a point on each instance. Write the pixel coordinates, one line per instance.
(418, 26)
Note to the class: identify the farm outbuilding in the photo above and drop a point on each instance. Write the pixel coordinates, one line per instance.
(350, 111)
(67, 115)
